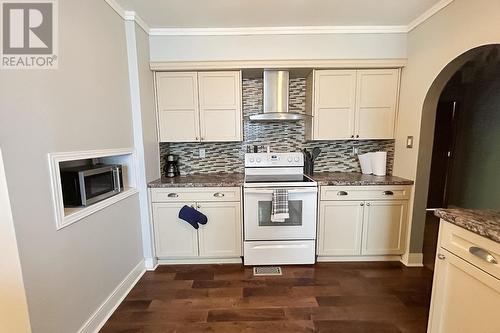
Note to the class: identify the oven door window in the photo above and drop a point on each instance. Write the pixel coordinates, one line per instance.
(294, 209)
(99, 184)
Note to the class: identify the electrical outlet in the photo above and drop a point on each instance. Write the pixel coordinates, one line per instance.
(202, 153)
(354, 151)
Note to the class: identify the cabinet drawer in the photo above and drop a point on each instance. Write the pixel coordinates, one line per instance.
(183, 194)
(464, 243)
(368, 192)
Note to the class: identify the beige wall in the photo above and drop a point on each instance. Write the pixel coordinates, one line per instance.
(148, 109)
(83, 105)
(461, 26)
(271, 47)
(14, 315)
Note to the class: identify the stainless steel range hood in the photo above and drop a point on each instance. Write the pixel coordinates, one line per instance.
(276, 85)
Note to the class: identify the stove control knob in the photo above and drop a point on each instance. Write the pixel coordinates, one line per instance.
(258, 160)
(290, 159)
(296, 159)
(251, 160)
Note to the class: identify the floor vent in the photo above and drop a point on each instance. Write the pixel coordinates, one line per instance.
(267, 271)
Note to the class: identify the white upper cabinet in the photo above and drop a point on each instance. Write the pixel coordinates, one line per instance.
(376, 103)
(220, 106)
(199, 106)
(352, 104)
(178, 116)
(335, 97)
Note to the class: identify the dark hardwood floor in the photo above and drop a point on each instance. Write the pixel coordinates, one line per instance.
(327, 297)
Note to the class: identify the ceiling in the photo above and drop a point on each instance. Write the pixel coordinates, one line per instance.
(276, 13)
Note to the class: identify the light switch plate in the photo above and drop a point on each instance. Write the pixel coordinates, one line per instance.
(409, 141)
(202, 153)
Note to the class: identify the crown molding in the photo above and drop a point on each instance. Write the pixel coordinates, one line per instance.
(128, 15)
(295, 30)
(132, 16)
(428, 14)
(279, 63)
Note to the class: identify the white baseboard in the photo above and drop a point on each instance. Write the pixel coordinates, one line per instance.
(357, 258)
(150, 263)
(102, 314)
(200, 261)
(413, 259)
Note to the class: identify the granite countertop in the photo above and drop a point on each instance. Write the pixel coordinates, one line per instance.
(236, 179)
(201, 180)
(356, 178)
(485, 223)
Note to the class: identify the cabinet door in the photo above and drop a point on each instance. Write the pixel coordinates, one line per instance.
(464, 298)
(376, 102)
(340, 226)
(334, 105)
(174, 238)
(384, 227)
(221, 236)
(178, 115)
(220, 106)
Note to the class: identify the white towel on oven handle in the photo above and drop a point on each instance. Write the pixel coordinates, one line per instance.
(279, 209)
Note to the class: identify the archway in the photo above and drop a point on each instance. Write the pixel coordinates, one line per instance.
(428, 123)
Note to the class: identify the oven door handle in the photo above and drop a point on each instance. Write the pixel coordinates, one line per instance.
(270, 191)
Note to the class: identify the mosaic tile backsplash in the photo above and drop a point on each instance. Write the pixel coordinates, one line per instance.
(281, 136)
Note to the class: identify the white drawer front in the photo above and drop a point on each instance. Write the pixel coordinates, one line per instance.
(471, 247)
(182, 194)
(368, 192)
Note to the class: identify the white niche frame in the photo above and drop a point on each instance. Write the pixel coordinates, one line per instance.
(68, 216)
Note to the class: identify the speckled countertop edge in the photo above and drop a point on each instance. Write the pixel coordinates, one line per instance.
(485, 223)
(237, 179)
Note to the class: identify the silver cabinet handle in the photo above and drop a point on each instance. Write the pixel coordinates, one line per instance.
(198, 206)
(368, 204)
(196, 138)
(388, 193)
(483, 254)
(218, 195)
(362, 204)
(352, 136)
(441, 256)
(357, 135)
(173, 195)
(342, 193)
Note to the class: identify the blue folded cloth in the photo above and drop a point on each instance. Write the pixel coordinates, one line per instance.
(192, 216)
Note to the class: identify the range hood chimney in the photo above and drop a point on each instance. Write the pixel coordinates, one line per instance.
(276, 85)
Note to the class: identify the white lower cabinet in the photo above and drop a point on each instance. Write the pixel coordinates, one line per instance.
(465, 298)
(384, 227)
(370, 228)
(174, 237)
(219, 239)
(340, 227)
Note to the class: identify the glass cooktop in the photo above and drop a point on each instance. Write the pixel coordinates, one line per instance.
(277, 179)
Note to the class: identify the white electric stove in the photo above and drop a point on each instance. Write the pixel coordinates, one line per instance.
(289, 242)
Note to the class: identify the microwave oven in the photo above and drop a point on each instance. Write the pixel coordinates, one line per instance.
(86, 185)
